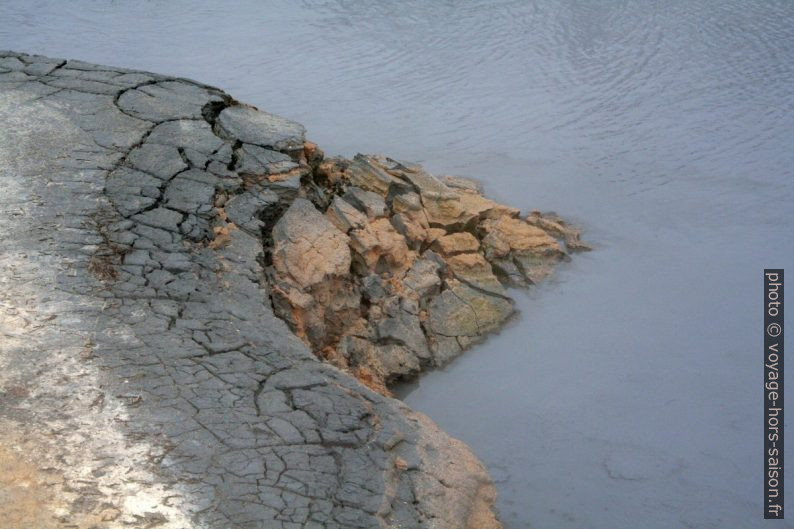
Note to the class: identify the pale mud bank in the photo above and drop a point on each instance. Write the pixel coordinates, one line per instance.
(155, 236)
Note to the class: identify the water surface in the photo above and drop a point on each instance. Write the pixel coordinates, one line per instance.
(628, 394)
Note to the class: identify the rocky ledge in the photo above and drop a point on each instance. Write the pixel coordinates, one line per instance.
(385, 270)
(173, 265)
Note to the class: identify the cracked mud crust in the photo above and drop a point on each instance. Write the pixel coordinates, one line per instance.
(145, 380)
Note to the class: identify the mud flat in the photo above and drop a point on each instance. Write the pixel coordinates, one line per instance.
(201, 314)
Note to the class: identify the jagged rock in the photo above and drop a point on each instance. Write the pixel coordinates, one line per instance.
(556, 226)
(249, 125)
(307, 248)
(415, 235)
(344, 216)
(533, 250)
(474, 270)
(423, 277)
(367, 202)
(256, 160)
(396, 361)
(245, 209)
(407, 202)
(373, 287)
(462, 311)
(405, 329)
(444, 348)
(396, 215)
(379, 246)
(362, 173)
(164, 100)
(286, 185)
(464, 184)
(455, 243)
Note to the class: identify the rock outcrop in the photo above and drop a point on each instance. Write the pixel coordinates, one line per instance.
(386, 270)
(150, 229)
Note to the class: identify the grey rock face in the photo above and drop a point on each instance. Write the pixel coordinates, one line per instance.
(166, 100)
(144, 380)
(257, 160)
(162, 161)
(186, 134)
(260, 128)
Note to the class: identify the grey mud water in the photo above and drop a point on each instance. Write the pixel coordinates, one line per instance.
(155, 236)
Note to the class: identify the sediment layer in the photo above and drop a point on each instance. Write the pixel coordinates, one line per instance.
(156, 236)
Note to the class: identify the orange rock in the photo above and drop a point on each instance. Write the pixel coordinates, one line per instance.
(518, 236)
(553, 224)
(307, 248)
(379, 243)
(456, 243)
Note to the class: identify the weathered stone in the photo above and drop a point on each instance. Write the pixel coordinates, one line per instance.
(191, 192)
(11, 63)
(162, 161)
(408, 202)
(249, 125)
(415, 235)
(163, 218)
(362, 173)
(404, 328)
(15, 77)
(132, 191)
(109, 127)
(344, 216)
(397, 361)
(245, 209)
(476, 271)
(167, 100)
(82, 85)
(39, 69)
(256, 160)
(508, 272)
(462, 183)
(186, 133)
(86, 75)
(379, 247)
(285, 185)
(462, 311)
(445, 349)
(455, 243)
(533, 250)
(195, 158)
(553, 224)
(423, 277)
(373, 287)
(307, 248)
(367, 202)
